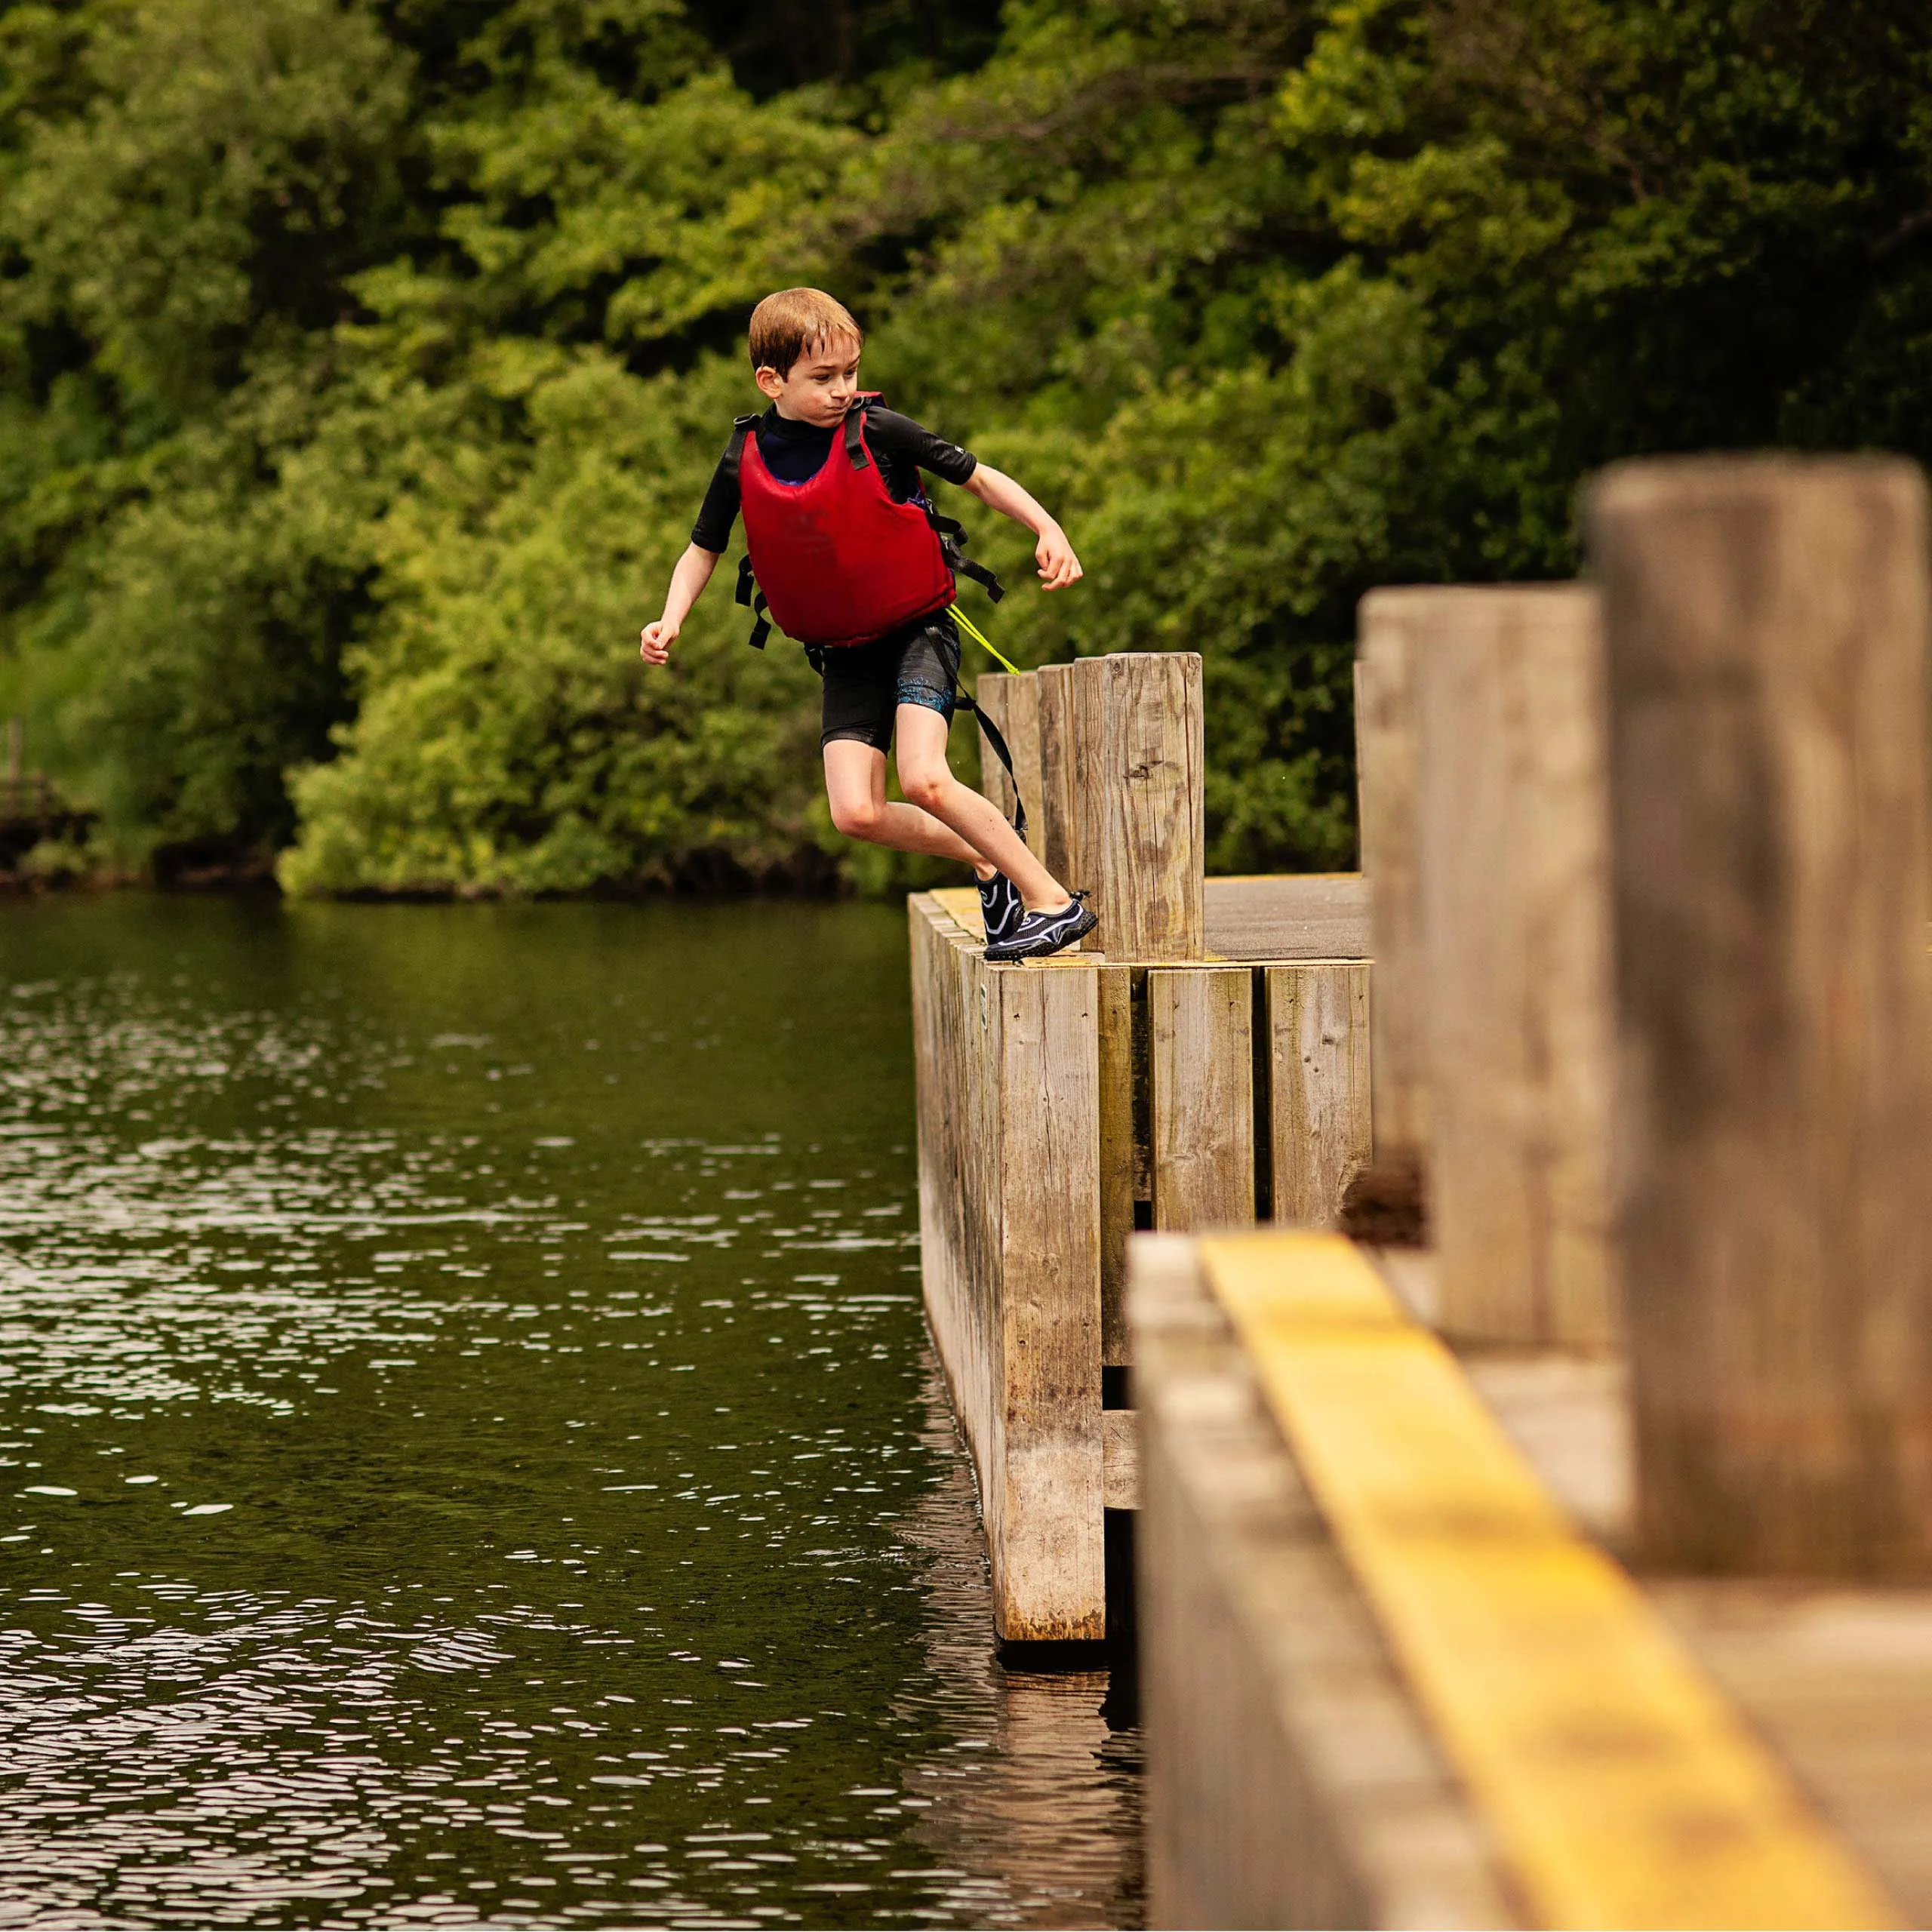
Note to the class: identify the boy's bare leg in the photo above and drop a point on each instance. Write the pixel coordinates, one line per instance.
(855, 789)
(927, 780)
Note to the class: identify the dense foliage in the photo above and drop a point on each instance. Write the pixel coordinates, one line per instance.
(361, 362)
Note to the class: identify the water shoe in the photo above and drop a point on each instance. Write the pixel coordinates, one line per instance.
(1001, 908)
(1040, 933)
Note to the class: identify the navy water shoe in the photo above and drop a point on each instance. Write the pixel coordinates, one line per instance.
(1001, 908)
(1040, 933)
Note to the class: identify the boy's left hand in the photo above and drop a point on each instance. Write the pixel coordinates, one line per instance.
(1059, 566)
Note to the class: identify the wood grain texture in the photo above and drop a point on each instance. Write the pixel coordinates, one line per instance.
(1120, 1456)
(1117, 1157)
(1767, 624)
(1388, 778)
(961, 904)
(1060, 769)
(1022, 740)
(1320, 1128)
(1049, 1573)
(1007, 1102)
(1622, 1787)
(1288, 916)
(957, 1057)
(1153, 833)
(1289, 1780)
(1513, 851)
(1089, 838)
(1200, 1021)
(1012, 704)
(992, 692)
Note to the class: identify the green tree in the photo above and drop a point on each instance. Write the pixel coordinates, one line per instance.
(360, 366)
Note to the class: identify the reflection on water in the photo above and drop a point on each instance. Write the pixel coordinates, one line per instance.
(472, 1449)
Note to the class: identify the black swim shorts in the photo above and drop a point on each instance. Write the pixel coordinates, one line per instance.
(865, 684)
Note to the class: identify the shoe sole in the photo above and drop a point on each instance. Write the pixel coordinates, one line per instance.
(998, 955)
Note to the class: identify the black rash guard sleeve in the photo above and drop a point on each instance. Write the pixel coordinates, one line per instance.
(904, 447)
(718, 512)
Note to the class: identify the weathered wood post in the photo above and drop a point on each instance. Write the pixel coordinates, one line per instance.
(1767, 624)
(1069, 809)
(1012, 704)
(1110, 756)
(1010, 1255)
(1512, 837)
(1153, 835)
(1386, 777)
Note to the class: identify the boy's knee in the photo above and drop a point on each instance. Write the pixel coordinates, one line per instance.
(926, 787)
(856, 818)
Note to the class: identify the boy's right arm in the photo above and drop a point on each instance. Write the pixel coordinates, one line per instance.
(687, 581)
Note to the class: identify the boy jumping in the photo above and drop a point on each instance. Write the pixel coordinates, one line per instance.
(840, 545)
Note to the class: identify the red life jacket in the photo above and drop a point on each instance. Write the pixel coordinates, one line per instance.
(839, 561)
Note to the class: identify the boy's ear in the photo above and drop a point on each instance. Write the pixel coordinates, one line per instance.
(770, 383)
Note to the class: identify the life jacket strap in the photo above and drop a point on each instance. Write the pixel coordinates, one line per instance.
(952, 542)
(742, 426)
(855, 440)
(994, 737)
(753, 600)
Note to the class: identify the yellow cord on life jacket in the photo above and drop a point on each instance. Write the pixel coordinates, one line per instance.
(973, 631)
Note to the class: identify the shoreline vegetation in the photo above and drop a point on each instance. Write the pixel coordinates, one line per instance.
(362, 363)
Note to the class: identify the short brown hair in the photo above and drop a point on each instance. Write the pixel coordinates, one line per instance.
(785, 325)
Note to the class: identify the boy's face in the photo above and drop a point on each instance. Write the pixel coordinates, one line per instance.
(819, 386)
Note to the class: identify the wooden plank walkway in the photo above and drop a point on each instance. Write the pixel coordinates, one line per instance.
(1623, 1790)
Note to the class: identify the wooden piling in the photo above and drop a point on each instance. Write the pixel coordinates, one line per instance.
(1387, 777)
(1009, 1188)
(1012, 704)
(1153, 833)
(1070, 802)
(1767, 624)
(1111, 749)
(1512, 847)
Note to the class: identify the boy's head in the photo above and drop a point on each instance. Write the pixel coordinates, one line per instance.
(804, 350)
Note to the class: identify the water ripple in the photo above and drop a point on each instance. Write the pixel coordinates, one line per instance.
(472, 1451)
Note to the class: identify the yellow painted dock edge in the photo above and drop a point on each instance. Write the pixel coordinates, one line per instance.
(1621, 1788)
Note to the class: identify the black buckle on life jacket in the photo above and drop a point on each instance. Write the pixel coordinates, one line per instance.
(753, 600)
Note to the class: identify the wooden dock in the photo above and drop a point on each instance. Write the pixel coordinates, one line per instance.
(1577, 1570)
(1209, 1067)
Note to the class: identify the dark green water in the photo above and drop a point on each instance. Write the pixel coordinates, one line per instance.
(473, 1451)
